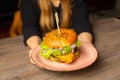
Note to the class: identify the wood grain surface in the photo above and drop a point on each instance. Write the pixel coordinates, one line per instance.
(15, 63)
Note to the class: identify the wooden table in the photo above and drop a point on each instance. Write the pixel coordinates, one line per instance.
(15, 63)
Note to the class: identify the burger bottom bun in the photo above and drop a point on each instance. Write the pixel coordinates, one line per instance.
(68, 58)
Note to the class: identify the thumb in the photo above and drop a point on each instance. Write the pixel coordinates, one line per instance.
(30, 55)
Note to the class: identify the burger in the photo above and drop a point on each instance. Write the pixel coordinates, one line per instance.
(60, 46)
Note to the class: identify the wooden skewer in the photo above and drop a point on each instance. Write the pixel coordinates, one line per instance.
(57, 22)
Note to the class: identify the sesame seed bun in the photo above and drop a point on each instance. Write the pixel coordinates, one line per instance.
(65, 38)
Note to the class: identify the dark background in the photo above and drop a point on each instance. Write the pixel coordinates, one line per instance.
(100, 5)
(8, 7)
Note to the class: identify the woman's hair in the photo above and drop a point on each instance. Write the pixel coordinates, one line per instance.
(46, 17)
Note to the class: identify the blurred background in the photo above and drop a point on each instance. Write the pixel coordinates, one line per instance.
(99, 9)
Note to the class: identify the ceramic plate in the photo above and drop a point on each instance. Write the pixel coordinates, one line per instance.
(88, 55)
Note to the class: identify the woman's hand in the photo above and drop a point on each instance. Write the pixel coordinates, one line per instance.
(33, 41)
(85, 37)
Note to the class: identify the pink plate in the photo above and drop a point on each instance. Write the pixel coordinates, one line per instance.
(88, 55)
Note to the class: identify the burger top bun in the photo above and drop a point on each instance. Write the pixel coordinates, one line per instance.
(55, 40)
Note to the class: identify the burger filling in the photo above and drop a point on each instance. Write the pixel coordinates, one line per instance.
(47, 52)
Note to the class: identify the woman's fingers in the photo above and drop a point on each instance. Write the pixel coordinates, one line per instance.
(30, 52)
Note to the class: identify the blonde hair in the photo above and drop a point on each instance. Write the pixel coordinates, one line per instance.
(46, 17)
